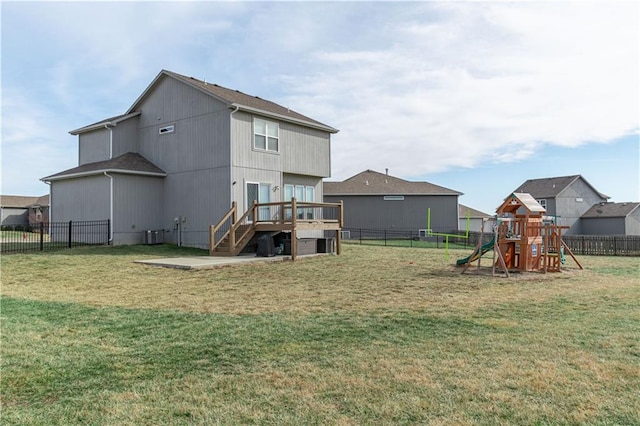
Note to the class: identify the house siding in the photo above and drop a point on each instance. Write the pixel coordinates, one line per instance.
(372, 212)
(81, 199)
(137, 207)
(632, 225)
(567, 203)
(192, 197)
(93, 146)
(195, 157)
(12, 216)
(603, 226)
(125, 137)
(299, 144)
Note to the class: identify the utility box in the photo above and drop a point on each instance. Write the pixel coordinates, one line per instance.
(266, 247)
(326, 245)
(152, 237)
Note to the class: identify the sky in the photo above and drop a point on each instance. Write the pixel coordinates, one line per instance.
(474, 96)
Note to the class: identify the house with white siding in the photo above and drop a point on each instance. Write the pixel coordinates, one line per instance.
(183, 154)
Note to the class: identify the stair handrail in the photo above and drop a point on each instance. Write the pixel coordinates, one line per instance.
(233, 239)
(232, 213)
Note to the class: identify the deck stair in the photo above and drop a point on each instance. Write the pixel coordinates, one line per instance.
(231, 234)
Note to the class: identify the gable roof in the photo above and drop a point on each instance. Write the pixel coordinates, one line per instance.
(610, 210)
(551, 187)
(236, 99)
(21, 201)
(129, 163)
(371, 182)
(463, 211)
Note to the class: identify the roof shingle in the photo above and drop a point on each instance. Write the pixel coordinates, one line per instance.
(131, 163)
(371, 182)
(610, 210)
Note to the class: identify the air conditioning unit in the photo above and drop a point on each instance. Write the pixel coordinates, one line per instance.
(152, 237)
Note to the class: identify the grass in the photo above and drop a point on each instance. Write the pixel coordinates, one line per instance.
(375, 336)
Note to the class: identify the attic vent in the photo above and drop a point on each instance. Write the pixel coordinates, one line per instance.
(166, 129)
(394, 198)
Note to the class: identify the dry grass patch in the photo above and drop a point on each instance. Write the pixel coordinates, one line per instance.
(364, 278)
(376, 336)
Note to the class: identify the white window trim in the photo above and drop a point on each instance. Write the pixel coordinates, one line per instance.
(543, 203)
(267, 124)
(167, 129)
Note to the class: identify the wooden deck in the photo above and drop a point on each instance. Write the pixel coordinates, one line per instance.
(232, 234)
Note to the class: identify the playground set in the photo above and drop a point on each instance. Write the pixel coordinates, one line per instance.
(524, 239)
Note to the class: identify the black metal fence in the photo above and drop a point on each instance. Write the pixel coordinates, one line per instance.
(597, 245)
(412, 238)
(604, 245)
(53, 236)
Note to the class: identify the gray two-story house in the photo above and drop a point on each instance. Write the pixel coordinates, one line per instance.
(565, 197)
(178, 158)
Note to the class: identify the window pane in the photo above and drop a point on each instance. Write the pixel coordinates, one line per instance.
(260, 142)
(272, 130)
(273, 144)
(259, 126)
(309, 194)
(288, 192)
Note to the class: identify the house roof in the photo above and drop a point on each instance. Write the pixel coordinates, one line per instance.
(21, 201)
(463, 211)
(129, 163)
(370, 182)
(112, 121)
(610, 210)
(237, 99)
(551, 187)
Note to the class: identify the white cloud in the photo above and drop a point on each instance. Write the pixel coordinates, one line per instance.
(418, 87)
(485, 82)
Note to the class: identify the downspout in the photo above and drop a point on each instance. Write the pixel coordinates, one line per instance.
(106, 126)
(50, 201)
(231, 181)
(110, 207)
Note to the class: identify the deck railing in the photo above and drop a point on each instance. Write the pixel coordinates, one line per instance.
(276, 216)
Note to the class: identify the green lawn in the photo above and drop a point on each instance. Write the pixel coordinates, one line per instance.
(374, 336)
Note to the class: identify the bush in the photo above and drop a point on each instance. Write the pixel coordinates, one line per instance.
(6, 228)
(18, 228)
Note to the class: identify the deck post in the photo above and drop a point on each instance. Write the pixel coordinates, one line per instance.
(339, 231)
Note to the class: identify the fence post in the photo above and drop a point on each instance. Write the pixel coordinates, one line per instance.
(109, 232)
(69, 235)
(41, 236)
(385, 237)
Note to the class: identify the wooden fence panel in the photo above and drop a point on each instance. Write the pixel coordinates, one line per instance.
(604, 245)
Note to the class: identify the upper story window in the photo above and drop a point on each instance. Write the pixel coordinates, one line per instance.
(543, 203)
(265, 135)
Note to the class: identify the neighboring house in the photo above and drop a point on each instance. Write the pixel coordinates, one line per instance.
(178, 158)
(567, 198)
(474, 218)
(612, 219)
(378, 201)
(20, 210)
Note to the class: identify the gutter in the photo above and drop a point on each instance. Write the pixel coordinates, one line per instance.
(102, 171)
(110, 207)
(298, 121)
